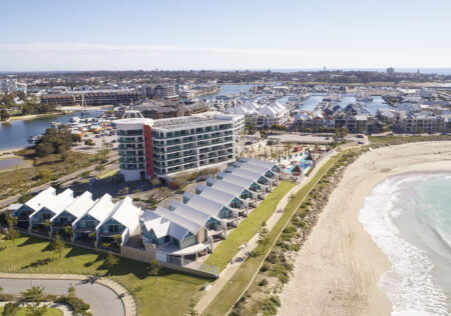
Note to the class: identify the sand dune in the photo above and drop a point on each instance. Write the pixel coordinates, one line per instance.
(338, 269)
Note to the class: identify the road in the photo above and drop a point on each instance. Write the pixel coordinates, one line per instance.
(102, 299)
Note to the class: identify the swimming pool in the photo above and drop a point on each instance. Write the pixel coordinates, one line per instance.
(304, 164)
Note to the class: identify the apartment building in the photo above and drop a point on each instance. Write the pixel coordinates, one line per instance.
(93, 98)
(8, 85)
(161, 148)
(164, 90)
(423, 122)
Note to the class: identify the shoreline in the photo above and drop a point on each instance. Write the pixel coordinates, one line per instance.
(338, 269)
(4, 153)
(33, 116)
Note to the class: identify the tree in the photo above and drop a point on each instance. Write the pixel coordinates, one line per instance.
(154, 268)
(10, 309)
(117, 239)
(4, 115)
(58, 245)
(12, 233)
(124, 191)
(71, 291)
(69, 230)
(47, 225)
(44, 149)
(110, 261)
(155, 182)
(35, 295)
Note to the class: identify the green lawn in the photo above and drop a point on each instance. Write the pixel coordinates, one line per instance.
(397, 140)
(248, 227)
(239, 282)
(168, 294)
(50, 312)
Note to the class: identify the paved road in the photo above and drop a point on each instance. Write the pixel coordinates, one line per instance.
(102, 299)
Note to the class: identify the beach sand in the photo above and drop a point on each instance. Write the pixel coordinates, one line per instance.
(338, 269)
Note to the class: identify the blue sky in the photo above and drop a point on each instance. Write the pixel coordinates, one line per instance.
(245, 34)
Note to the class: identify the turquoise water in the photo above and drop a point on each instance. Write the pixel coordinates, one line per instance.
(304, 163)
(410, 220)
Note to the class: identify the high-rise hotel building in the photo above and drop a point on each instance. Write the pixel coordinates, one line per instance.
(158, 148)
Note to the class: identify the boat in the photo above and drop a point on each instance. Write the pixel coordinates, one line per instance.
(55, 124)
(33, 139)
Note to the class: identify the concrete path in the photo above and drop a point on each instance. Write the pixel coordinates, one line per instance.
(231, 268)
(105, 296)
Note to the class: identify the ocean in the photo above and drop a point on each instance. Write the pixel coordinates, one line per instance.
(409, 218)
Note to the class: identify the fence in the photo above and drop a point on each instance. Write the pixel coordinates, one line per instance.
(44, 270)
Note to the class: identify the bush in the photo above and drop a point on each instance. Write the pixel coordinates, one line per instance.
(263, 282)
(89, 142)
(264, 268)
(77, 304)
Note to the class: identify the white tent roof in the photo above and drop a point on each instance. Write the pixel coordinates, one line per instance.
(126, 213)
(58, 203)
(250, 167)
(205, 205)
(181, 221)
(36, 203)
(102, 208)
(218, 196)
(198, 216)
(155, 222)
(234, 179)
(231, 188)
(258, 162)
(246, 174)
(80, 205)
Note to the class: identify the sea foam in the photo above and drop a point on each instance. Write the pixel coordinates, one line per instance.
(409, 283)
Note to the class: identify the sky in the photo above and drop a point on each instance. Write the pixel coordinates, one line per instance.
(40, 35)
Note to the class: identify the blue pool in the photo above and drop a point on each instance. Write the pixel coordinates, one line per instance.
(304, 163)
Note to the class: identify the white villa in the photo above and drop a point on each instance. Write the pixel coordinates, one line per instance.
(177, 234)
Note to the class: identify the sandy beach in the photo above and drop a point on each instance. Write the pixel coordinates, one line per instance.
(338, 269)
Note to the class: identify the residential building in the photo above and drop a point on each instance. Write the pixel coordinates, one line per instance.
(8, 85)
(261, 115)
(93, 97)
(162, 148)
(164, 90)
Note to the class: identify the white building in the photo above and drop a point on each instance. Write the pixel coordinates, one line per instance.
(157, 148)
(8, 85)
(261, 116)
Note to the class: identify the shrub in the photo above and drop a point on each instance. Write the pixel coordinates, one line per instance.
(77, 304)
(264, 268)
(263, 282)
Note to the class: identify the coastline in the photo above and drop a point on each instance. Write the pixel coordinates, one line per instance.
(338, 269)
(33, 116)
(5, 153)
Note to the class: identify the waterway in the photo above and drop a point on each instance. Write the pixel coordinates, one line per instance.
(14, 134)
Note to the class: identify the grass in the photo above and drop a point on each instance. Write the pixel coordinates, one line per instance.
(154, 295)
(248, 227)
(53, 163)
(240, 281)
(106, 174)
(397, 140)
(22, 311)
